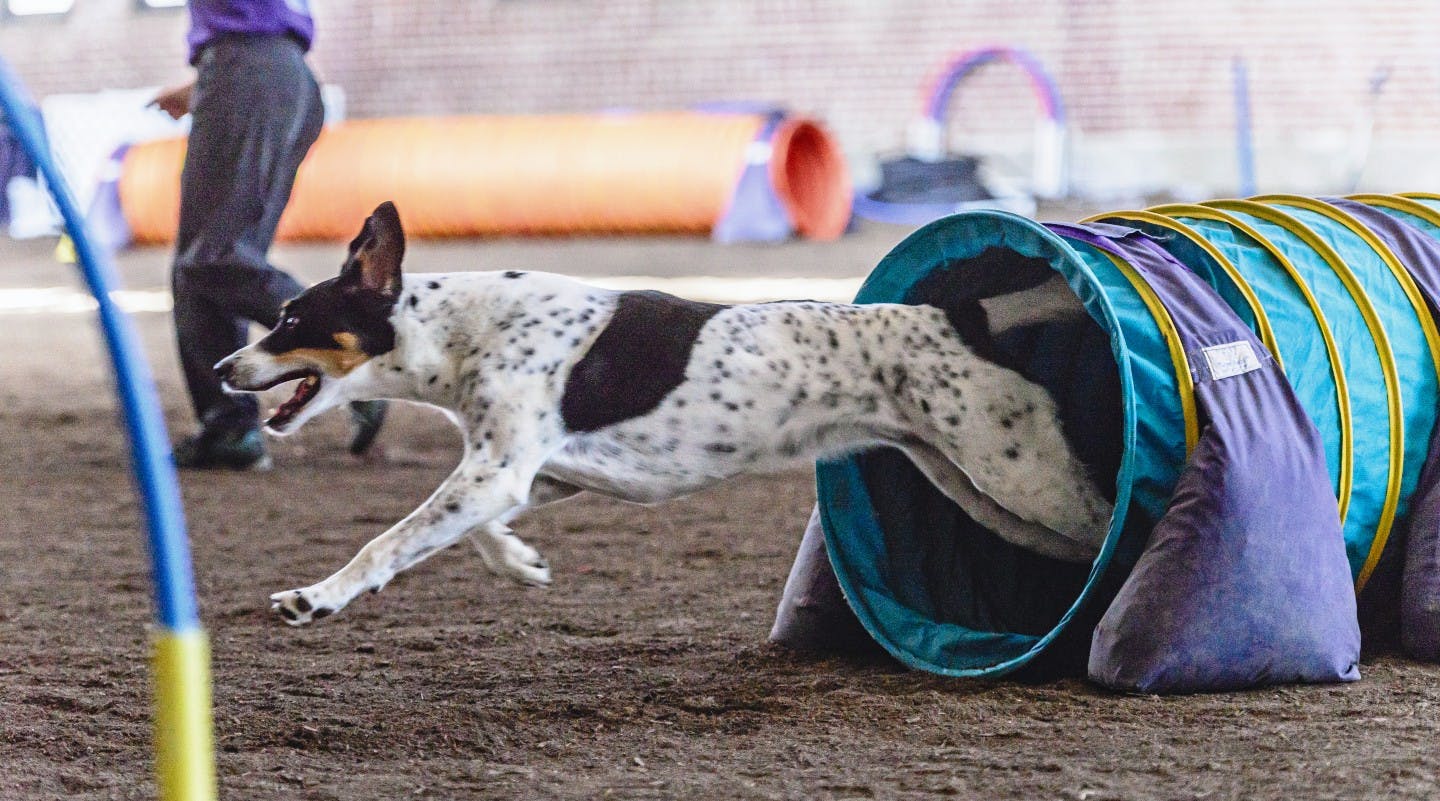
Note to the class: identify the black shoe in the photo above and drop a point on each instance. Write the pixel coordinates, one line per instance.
(229, 450)
(366, 417)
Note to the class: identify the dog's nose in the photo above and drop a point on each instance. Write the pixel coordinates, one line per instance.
(225, 368)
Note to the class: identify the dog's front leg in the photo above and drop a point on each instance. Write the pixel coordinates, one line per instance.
(474, 494)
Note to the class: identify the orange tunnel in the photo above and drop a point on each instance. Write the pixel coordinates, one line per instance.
(518, 175)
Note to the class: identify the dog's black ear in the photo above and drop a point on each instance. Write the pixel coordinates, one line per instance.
(376, 253)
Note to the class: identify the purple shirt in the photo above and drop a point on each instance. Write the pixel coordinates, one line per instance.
(210, 19)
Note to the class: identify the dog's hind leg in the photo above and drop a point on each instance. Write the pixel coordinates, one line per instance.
(958, 487)
(505, 554)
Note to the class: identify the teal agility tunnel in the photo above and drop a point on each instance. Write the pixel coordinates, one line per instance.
(1259, 377)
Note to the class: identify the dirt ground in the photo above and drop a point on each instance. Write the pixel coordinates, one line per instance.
(643, 672)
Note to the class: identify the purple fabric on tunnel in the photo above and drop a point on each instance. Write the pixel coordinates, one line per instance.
(1244, 580)
(1420, 584)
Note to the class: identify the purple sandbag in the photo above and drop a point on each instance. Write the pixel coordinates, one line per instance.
(755, 213)
(1420, 584)
(1244, 580)
(813, 614)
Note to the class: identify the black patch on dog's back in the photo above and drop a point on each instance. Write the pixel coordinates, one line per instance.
(636, 361)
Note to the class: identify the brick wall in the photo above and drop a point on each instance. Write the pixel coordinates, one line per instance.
(1148, 84)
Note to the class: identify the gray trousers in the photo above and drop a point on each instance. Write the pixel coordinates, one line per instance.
(255, 112)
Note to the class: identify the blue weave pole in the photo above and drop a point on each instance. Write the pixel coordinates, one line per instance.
(184, 750)
(1244, 135)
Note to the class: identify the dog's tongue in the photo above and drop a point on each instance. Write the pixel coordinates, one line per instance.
(304, 391)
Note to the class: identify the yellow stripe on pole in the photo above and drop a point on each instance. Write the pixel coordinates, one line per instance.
(184, 746)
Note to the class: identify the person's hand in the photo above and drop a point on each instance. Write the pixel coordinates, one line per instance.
(174, 100)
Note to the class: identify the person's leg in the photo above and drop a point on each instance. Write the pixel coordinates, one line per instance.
(256, 111)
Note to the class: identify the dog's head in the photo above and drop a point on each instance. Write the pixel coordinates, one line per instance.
(329, 330)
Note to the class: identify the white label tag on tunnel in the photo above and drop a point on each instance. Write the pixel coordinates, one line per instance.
(1230, 359)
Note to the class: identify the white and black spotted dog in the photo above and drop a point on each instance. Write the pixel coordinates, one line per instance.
(560, 387)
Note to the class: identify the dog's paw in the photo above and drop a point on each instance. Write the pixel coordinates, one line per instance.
(531, 569)
(296, 608)
(507, 555)
(521, 563)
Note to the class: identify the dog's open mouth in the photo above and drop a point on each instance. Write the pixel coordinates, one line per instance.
(304, 392)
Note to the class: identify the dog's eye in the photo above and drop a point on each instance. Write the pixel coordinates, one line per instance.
(287, 323)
